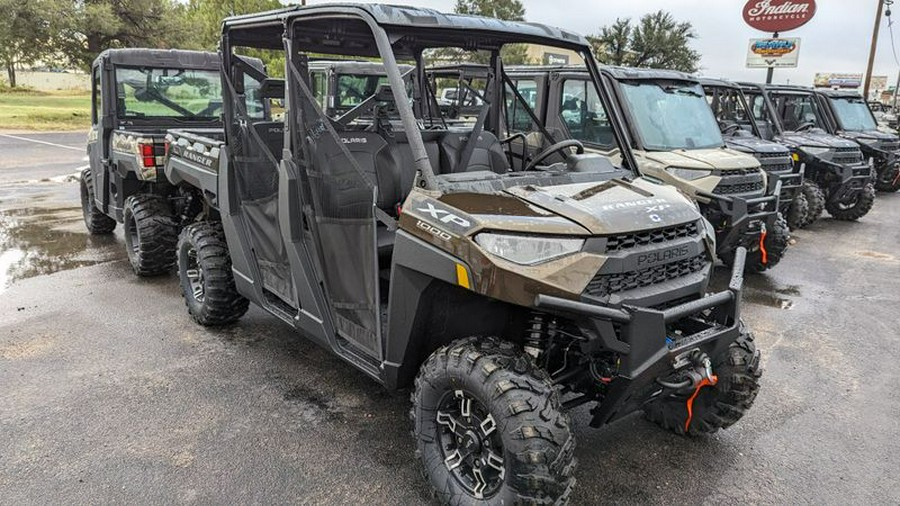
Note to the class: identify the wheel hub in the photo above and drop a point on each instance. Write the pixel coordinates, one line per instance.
(194, 274)
(471, 445)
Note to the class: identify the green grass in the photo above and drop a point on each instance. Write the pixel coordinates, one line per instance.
(37, 110)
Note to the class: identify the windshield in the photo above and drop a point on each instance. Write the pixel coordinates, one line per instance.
(671, 115)
(353, 89)
(853, 114)
(797, 111)
(168, 93)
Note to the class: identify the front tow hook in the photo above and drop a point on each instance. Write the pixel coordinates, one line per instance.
(699, 376)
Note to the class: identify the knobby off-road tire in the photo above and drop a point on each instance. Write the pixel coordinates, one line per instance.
(815, 199)
(888, 180)
(515, 412)
(776, 243)
(861, 207)
(205, 276)
(151, 232)
(96, 222)
(797, 211)
(719, 406)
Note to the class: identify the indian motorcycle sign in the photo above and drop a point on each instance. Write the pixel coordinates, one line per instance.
(778, 15)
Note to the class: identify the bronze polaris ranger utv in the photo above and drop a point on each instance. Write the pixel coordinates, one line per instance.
(139, 94)
(677, 140)
(502, 298)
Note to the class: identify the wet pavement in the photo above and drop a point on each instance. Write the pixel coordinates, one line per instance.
(111, 395)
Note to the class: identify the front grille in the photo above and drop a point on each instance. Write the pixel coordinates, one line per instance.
(740, 181)
(776, 154)
(627, 241)
(890, 145)
(847, 156)
(607, 284)
(778, 162)
(863, 171)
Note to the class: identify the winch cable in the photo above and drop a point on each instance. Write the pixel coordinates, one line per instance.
(707, 381)
(762, 244)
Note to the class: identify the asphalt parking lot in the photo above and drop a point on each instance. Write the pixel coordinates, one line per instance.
(111, 395)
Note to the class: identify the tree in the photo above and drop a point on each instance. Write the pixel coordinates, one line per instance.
(657, 41)
(94, 25)
(24, 34)
(205, 17)
(509, 10)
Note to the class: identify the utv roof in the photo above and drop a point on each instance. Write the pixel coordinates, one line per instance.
(641, 73)
(828, 92)
(413, 18)
(790, 88)
(171, 58)
(721, 83)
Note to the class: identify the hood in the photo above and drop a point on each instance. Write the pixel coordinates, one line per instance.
(870, 134)
(612, 207)
(814, 138)
(701, 159)
(755, 145)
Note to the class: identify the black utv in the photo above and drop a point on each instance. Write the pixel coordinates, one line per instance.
(741, 133)
(503, 298)
(847, 115)
(843, 179)
(137, 95)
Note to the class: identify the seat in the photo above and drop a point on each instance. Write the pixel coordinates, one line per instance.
(487, 155)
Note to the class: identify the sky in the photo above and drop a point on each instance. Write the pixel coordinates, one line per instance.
(836, 40)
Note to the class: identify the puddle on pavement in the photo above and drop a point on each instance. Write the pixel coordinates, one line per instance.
(41, 241)
(763, 291)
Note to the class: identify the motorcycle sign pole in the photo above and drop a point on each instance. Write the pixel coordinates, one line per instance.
(771, 70)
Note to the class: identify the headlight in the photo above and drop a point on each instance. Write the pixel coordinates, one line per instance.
(867, 141)
(824, 153)
(688, 174)
(528, 250)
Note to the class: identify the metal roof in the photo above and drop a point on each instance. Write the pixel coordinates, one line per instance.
(171, 58)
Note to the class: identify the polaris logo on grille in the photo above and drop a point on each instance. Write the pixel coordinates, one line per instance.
(666, 255)
(354, 140)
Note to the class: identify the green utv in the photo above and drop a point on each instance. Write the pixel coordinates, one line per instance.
(430, 258)
(847, 115)
(137, 95)
(742, 134)
(837, 178)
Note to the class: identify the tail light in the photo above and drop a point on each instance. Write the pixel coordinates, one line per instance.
(148, 155)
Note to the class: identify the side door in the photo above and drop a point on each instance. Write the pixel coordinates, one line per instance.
(97, 142)
(575, 108)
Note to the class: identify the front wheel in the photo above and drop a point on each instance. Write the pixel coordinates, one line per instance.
(717, 406)
(815, 199)
(204, 272)
(776, 243)
(489, 426)
(797, 211)
(888, 180)
(852, 211)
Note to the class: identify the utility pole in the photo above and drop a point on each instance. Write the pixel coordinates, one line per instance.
(872, 49)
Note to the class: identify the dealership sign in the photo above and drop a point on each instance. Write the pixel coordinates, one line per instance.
(773, 53)
(778, 15)
(838, 80)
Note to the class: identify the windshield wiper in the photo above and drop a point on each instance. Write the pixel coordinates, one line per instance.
(684, 90)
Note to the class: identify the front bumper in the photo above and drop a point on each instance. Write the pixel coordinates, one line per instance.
(848, 181)
(739, 221)
(645, 345)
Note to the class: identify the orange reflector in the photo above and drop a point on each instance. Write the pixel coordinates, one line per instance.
(711, 381)
(462, 276)
(762, 247)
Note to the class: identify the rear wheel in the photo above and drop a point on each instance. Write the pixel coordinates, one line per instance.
(815, 199)
(96, 222)
(204, 272)
(797, 211)
(716, 406)
(151, 233)
(489, 426)
(859, 207)
(776, 243)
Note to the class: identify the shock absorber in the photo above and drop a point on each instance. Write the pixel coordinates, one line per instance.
(536, 334)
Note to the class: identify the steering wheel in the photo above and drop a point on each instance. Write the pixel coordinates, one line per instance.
(731, 128)
(805, 126)
(559, 147)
